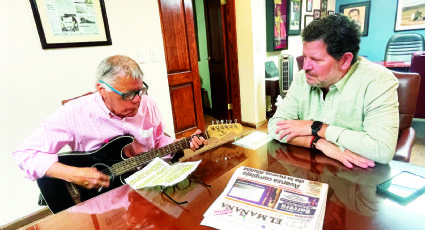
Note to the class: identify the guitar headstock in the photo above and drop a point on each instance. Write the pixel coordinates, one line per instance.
(221, 130)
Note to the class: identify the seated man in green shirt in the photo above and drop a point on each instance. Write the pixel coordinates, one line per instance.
(340, 104)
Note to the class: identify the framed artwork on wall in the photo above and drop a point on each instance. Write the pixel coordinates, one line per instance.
(71, 23)
(294, 17)
(323, 8)
(316, 14)
(410, 15)
(307, 19)
(276, 25)
(309, 6)
(330, 12)
(359, 12)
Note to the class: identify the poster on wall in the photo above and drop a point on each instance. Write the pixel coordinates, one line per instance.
(294, 17)
(276, 25)
(358, 12)
(410, 15)
(71, 23)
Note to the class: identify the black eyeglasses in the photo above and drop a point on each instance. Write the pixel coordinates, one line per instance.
(130, 95)
(181, 186)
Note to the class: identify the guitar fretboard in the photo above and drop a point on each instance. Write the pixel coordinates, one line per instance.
(133, 163)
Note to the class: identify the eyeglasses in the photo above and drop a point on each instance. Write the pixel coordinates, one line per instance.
(185, 184)
(130, 95)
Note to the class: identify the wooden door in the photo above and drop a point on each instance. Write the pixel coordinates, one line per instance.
(223, 63)
(182, 65)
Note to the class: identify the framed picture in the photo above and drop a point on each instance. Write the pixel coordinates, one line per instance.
(71, 23)
(307, 19)
(410, 15)
(316, 14)
(276, 24)
(330, 12)
(309, 6)
(323, 8)
(359, 12)
(294, 17)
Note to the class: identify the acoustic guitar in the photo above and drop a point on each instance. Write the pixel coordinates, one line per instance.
(111, 159)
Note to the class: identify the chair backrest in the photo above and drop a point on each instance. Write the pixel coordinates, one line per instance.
(400, 47)
(418, 66)
(65, 101)
(407, 91)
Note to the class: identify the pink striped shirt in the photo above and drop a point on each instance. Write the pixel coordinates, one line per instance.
(85, 124)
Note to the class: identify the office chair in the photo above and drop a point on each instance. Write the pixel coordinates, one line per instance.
(408, 91)
(400, 47)
(418, 66)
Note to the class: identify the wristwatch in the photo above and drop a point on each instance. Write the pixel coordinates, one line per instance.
(314, 142)
(315, 127)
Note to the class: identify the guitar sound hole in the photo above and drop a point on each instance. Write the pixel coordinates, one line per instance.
(105, 169)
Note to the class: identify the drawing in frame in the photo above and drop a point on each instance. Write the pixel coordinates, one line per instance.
(358, 12)
(276, 25)
(410, 15)
(309, 6)
(330, 12)
(294, 15)
(316, 14)
(71, 23)
(307, 19)
(323, 8)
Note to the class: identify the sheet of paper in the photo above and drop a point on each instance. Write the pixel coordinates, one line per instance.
(158, 172)
(254, 140)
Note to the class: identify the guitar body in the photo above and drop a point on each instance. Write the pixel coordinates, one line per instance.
(55, 191)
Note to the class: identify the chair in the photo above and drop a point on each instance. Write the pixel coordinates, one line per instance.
(418, 66)
(408, 91)
(400, 47)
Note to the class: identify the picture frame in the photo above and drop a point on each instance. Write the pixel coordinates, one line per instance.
(358, 12)
(307, 19)
(309, 6)
(276, 25)
(330, 12)
(71, 23)
(323, 8)
(409, 16)
(294, 15)
(316, 14)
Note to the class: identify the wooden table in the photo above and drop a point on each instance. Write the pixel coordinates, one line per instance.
(352, 201)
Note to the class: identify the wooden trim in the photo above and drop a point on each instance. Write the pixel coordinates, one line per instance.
(26, 220)
(252, 125)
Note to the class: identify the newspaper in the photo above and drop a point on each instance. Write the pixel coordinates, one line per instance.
(159, 172)
(257, 199)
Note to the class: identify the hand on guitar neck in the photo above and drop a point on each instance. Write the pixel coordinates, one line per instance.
(197, 140)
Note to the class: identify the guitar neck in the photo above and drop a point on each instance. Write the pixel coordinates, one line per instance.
(133, 163)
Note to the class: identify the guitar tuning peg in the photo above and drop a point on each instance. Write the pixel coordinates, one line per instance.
(230, 121)
(212, 122)
(236, 120)
(217, 122)
(222, 121)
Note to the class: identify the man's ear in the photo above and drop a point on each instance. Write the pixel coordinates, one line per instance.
(345, 61)
(101, 89)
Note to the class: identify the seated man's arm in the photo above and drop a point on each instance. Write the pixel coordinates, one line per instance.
(378, 139)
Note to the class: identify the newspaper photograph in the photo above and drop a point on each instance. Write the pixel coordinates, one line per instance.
(256, 199)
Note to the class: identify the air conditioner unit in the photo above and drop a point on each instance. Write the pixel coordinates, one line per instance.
(286, 64)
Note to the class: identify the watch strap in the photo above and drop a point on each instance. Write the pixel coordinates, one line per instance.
(315, 127)
(314, 142)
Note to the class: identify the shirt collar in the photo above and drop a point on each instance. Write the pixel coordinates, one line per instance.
(341, 83)
(103, 106)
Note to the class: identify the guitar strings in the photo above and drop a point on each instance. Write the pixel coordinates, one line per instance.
(134, 162)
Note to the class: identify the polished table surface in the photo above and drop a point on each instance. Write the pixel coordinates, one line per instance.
(352, 202)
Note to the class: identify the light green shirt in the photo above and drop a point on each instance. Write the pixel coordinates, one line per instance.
(361, 110)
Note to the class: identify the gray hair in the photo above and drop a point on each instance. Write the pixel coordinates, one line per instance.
(113, 67)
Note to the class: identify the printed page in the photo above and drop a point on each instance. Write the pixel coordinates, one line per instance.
(158, 172)
(254, 140)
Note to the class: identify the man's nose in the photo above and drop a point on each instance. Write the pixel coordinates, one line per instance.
(307, 64)
(137, 98)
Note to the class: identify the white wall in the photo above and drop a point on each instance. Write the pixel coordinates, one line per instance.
(34, 81)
